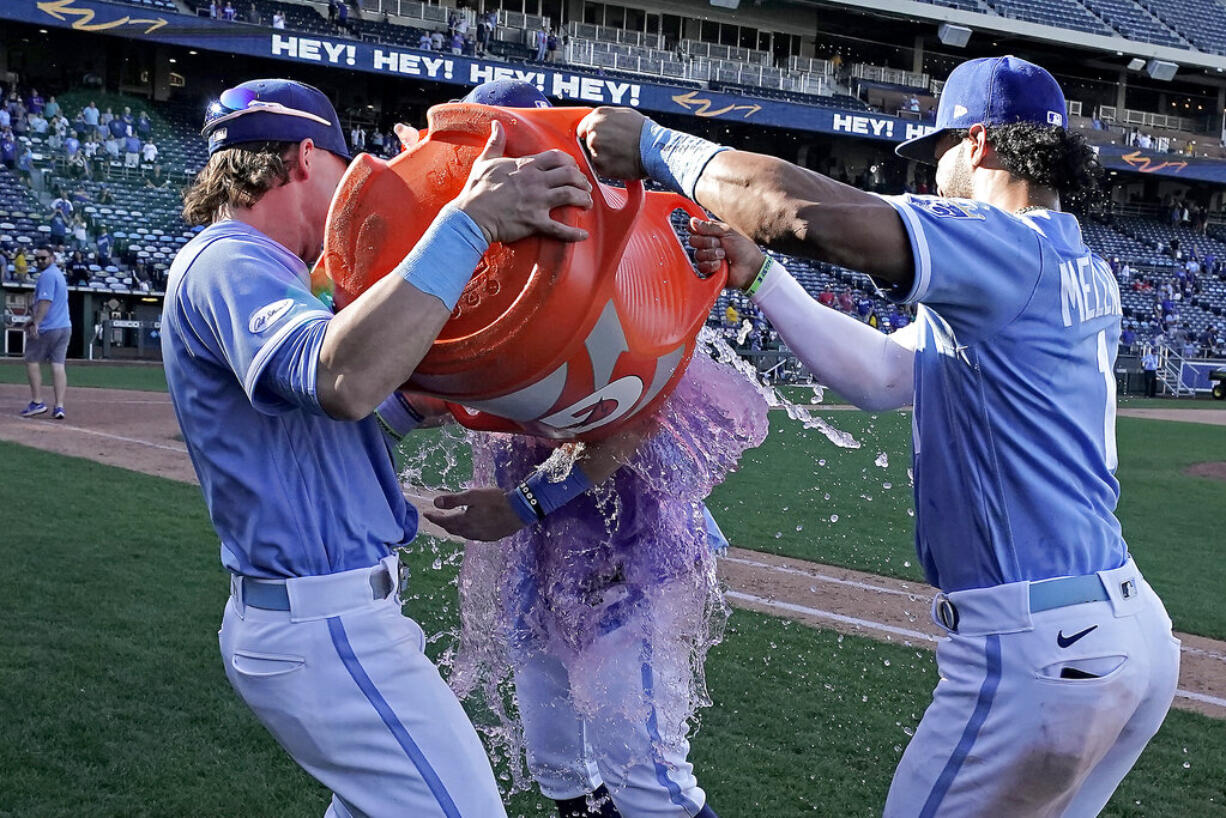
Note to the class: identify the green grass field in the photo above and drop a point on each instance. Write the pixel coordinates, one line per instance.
(149, 377)
(115, 703)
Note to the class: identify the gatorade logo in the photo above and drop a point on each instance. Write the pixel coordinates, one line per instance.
(265, 317)
(611, 400)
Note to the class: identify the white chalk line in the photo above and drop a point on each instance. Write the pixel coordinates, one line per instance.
(787, 569)
(904, 632)
(57, 424)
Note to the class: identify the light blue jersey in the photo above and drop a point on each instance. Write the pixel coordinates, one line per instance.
(1014, 424)
(290, 491)
(53, 288)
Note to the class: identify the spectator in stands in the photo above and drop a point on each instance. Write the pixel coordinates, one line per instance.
(25, 165)
(21, 265)
(104, 195)
(118, 128)
(38, 124)
(551, 46)
(376, 141)
(278, 19)
(91, 116)
(483, 34)
(149, 152)
(342, 15)
(6, 117)
(77, 270)
(47, 335)
(1128, 336)
(436, 41)
(71, 145)
(127, 118)
(826, 296)
(542, 42)
(104, 121)
(332, 4)
(59, 228)
(21, 122)
(8, 149)
(104, 245)
(253, 15)
(864, 307)
(156, 178)
(214, 10)
(52, 109)
(144, 127)
(62, 204)
(228, 13)
(131, 147)
(424, 42)
(457, 43)
(846, 303)
(110, 149)
(79, 236)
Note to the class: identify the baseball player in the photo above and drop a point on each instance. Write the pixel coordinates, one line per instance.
(274, 396)
(603, 602)
(1059, 663)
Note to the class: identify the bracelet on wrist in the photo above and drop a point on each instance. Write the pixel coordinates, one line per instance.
(756, 284)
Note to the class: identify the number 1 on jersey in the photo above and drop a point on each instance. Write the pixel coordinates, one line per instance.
(1104, 366)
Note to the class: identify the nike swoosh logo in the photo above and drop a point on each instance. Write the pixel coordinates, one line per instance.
(1064, 641)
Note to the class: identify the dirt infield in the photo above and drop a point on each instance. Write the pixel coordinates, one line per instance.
(1214, 471)
(138, 431)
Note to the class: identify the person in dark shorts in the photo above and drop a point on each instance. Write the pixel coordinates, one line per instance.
(47, 335)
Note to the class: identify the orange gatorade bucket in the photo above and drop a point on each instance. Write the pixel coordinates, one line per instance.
(553, 339)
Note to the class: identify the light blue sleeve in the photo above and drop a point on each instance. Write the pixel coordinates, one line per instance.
(976, 265)
(245, 309)
(44, 290)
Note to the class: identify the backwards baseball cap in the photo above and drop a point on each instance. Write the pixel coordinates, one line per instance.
(508, 94)
(991, 91)
(273, 111)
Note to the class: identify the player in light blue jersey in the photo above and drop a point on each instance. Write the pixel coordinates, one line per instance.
(275, 396)
(1060, 663)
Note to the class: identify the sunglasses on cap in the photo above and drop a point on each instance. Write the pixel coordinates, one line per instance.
(234, 102)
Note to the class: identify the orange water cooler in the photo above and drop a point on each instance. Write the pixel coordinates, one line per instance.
(553, 339)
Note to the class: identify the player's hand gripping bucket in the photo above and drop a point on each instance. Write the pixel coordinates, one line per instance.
(555, 339)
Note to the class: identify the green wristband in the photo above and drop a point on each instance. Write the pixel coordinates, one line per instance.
(761, 277)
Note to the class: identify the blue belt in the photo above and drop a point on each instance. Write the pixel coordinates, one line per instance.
(1045, 595)
(272, 595)
(1058, 593)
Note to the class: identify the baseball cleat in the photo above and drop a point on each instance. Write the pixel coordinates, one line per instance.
(33, 409)
(58, 414)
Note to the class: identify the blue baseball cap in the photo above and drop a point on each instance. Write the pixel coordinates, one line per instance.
(273, 111)
(508, 94)
(991, 91)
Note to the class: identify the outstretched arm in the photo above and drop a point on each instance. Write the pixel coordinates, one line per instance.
(872, 370)
(773, 202)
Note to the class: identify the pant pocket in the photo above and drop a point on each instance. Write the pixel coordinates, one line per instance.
(265, 665)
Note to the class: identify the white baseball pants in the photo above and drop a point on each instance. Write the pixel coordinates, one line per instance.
(616, 714)
(1039, 714)
(343, 685)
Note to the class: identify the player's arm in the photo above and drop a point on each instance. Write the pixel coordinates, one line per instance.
(773, 202)
(401, 315)
(488, 514)
(873, 370)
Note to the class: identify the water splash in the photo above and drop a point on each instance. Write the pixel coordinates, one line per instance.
(720, 350)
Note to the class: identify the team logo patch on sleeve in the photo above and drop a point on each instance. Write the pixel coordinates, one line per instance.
(949, 208)
(266, 316)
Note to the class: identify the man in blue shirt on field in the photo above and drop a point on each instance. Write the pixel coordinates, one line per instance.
(1059, 664)
(275, 397)
(47, 335)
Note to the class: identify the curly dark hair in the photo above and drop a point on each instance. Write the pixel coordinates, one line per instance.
(237, 177)
(1047, 155)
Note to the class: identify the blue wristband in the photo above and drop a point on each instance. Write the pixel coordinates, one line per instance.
(675, 158)
(538, 496)
(444, 260)
(397, 416)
